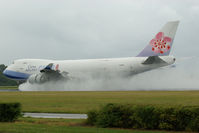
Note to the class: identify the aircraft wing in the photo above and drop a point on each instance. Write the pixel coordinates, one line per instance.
(49, 68)
(49, 73)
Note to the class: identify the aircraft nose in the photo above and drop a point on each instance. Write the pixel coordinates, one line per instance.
(15, 75)
(5, 72)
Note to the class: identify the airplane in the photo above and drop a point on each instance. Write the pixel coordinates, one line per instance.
(153, 56)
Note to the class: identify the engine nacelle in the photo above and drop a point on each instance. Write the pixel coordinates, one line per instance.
(38, 78)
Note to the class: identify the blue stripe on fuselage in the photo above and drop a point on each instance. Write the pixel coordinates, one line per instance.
(16, 75)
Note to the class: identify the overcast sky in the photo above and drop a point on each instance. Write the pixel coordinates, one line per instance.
(78, 29)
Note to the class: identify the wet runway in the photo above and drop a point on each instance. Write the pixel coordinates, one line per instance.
(8, 90)
(55, 115)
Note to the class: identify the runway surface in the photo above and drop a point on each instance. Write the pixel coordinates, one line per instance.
(8, 90)
(55, 115)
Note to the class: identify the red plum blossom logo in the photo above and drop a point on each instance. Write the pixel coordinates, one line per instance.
(161, 43)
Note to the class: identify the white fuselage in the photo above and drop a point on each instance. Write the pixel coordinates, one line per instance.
(24, 68)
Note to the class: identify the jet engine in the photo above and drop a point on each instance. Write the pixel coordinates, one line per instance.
(43, 77)
(38, 78)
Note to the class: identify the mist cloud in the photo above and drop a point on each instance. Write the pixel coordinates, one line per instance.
(183, 76)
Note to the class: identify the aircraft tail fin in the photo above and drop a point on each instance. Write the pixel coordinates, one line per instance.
(161, 44)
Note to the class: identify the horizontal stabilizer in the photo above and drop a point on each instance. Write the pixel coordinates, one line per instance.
(153, 60)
